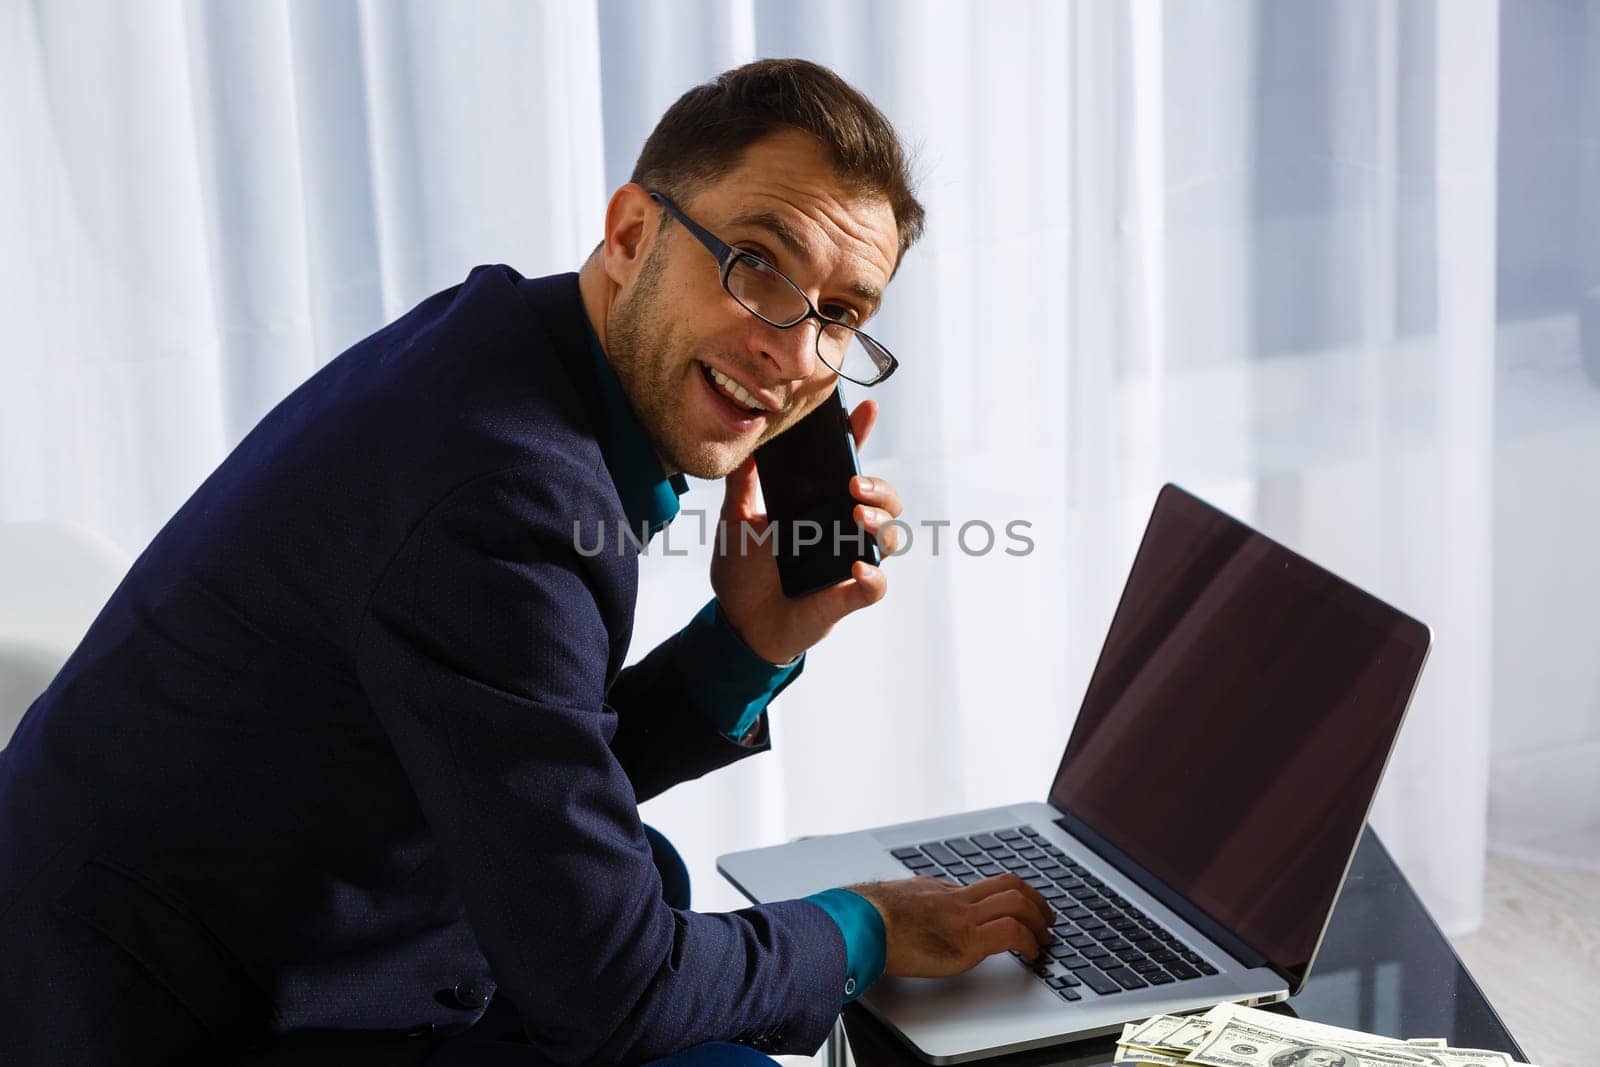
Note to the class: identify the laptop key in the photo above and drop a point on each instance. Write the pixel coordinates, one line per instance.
(1007, 835)
(904, 853)
(957, 868)
(1083, 894)
(1126, 978)
(1124, 924)
(1069, 994)
(988, 870)
(969, 877)
(1051, 893)
(962, 847)
(1098, 981)
(1030, 854)
(1035, 881)
(1080, 940)
(1182, 970)
(1144, 967)
(1076, 963)
(1159, 978)
(1116, 944)
(1030, 831)
(1096, 952)
(1163, 955)
(986, 841)
(1059, 951)
(1014, 864)
(1077, 912)
(1206, 968)
(1069, 980)
(920, 863)
(939, 854)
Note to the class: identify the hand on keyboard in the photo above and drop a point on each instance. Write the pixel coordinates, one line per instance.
(935, 929)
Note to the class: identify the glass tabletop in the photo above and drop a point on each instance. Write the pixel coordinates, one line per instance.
(1384, 968)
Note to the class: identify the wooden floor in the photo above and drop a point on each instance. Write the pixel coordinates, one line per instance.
(1537, 958)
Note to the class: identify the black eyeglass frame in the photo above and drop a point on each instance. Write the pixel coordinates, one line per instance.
(726, 256)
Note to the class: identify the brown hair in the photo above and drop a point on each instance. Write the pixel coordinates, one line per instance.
(703, 135)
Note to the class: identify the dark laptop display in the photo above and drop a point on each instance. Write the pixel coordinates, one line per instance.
(1235, 728)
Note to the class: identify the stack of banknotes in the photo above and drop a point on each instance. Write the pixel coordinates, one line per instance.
(1232, 1036)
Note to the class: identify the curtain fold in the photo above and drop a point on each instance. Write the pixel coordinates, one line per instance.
(1248, 247)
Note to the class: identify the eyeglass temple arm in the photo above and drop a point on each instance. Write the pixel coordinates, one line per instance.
(713, 244)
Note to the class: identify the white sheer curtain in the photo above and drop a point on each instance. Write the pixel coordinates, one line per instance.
(1248, 247)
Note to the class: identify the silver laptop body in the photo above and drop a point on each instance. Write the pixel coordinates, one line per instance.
(1201, 878)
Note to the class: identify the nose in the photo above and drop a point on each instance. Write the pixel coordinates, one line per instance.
(792, 352)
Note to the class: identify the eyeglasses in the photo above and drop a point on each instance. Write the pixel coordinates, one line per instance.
(769, 295)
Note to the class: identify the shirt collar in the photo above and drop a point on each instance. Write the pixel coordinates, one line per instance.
(649, 498)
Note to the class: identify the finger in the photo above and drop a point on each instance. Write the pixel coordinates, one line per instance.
(862, 419)
(1014, 903)
(1007, 935)
(741, 492)
(877, 491)
(866, 586)
(1009, 881)
(872, 520)
(1047, 914)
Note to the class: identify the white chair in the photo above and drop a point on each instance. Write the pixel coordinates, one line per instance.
(54, 579)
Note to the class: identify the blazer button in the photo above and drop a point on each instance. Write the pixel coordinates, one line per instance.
(471, 993)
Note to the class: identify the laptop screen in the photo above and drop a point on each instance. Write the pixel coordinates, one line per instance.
(1237, 722)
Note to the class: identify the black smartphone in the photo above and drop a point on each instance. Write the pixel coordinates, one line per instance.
(805, 478)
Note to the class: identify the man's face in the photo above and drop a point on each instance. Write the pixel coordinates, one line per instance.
(674, 331)
(1321, 1057)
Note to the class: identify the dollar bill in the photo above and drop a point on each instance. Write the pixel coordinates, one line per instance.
(1230, 1035)
(1238, 1043)
(1126, 1054)
(1153, 1032)
(1316, 1032)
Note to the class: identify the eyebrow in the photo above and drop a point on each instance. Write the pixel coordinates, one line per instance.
(790, 238)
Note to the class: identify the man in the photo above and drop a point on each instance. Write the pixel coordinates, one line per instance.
(350, 754)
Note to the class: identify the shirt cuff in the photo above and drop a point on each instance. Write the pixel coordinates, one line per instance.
(725, 677)
(865, 943)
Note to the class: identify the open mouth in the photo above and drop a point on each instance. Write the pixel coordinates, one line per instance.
(732, 393)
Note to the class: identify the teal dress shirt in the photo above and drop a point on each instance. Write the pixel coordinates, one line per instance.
(730, 682)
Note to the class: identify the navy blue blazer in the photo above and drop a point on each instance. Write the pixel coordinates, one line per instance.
(351, 746)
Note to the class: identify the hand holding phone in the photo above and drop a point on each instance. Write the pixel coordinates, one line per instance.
(805, 477)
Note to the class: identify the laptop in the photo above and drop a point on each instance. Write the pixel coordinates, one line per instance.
(1203, 817)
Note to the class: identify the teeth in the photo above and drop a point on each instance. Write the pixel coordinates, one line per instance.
(738, 391)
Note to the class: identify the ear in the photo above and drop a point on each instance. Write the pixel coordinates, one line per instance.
(632, 226)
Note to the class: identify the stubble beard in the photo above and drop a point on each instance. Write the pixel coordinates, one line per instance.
(639, 346)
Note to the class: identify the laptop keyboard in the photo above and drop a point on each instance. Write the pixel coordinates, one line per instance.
(1103, 942)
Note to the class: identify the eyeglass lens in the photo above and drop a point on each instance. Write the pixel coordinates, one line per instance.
(774, 298)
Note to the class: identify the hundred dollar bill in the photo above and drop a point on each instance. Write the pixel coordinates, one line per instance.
(1465, 1057)
(1190, 1036)
(1152, 1033)
(1386, 1048)
(1238, 1043)
(1126, 1054)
